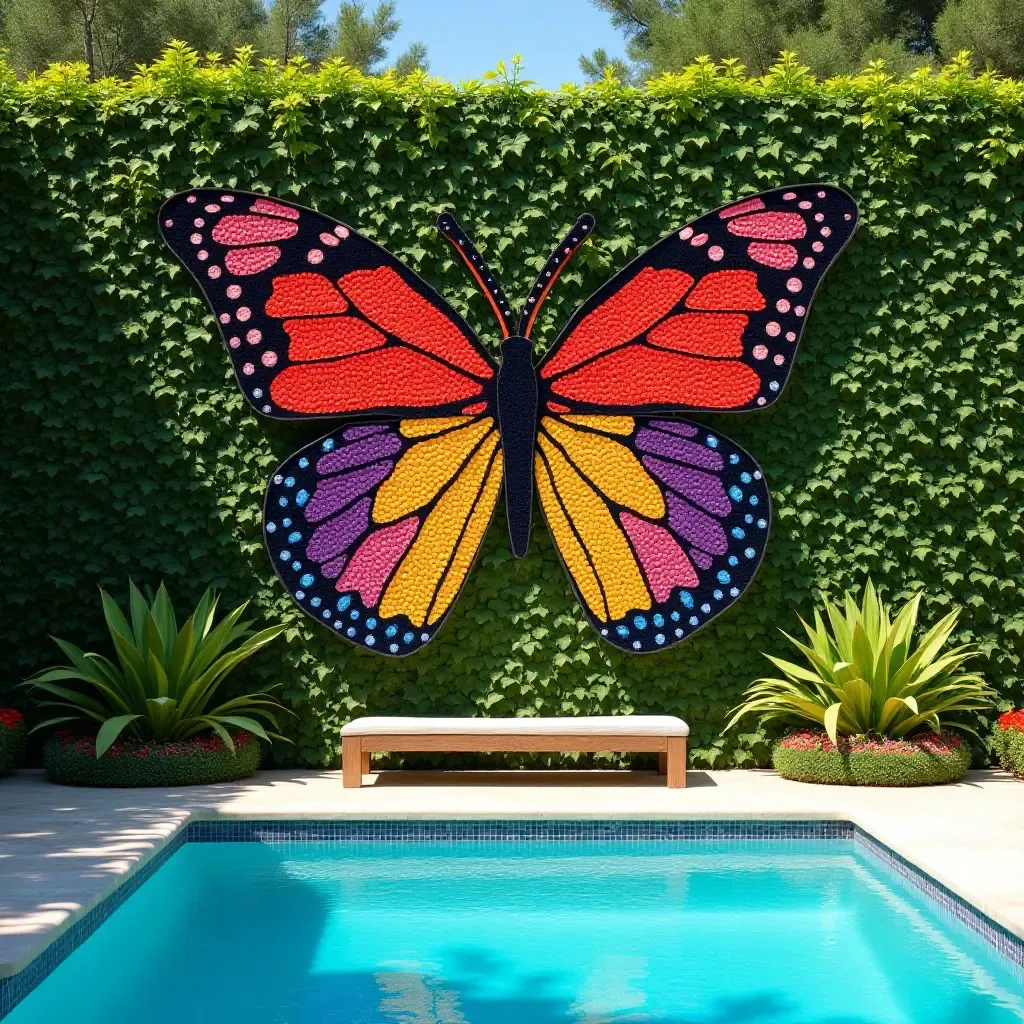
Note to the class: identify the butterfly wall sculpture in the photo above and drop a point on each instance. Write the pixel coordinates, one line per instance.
(660, 522)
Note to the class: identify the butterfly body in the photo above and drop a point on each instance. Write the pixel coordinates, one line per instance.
(517, 420)
(660, 522)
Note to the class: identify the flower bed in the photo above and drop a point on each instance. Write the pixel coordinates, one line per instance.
(921, 761)
(71, 761)
(12, 739)
(1009, 741)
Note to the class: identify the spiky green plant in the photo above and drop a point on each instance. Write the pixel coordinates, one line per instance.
(864, 677)
(164, 680)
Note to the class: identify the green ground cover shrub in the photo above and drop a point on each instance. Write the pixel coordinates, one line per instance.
(922, 761)
(71, 761)
(12, 739)
(1009, 742)
(896, 451)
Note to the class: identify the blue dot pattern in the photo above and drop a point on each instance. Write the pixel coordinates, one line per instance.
(722, 574)
(291, 489)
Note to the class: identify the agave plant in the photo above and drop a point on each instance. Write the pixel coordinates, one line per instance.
(865, 677)
(164, 680)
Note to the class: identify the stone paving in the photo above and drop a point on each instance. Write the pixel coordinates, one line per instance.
(63, 849)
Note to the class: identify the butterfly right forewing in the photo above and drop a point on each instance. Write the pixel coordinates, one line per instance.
(709, 318)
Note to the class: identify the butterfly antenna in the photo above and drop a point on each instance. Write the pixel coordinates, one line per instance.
(557, 261)
(487, 282)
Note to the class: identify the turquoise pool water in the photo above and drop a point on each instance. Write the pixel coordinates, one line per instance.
(810, 932)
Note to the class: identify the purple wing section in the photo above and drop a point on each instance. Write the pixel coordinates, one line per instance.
(699, 555)
(343, 537)
(327, 552)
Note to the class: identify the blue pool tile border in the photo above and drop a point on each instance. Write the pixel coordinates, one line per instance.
(1005, 942)
(15, 988)
(482, 830)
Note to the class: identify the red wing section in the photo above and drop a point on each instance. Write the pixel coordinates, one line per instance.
(709, 318)
(320, 321)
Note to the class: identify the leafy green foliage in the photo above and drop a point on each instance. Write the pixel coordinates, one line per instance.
(896, 451)
(112, 36)
(1008, 737)
(164, 679)
(69, 762)
(1010, 748)
(832, 37)
(866, 677)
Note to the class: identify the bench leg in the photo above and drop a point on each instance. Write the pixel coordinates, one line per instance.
(351, 762)
(676, 756)
(365, 766)
(663, 764)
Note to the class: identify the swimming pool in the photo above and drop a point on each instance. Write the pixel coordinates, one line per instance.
(544, 930)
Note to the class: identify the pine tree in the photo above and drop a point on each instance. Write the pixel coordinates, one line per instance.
(218, 26)
(598, 64)
(295, 28)
(831, 36)
(112, 36)
(362, 39)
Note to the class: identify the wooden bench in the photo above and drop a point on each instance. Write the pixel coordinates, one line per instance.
(664, 735)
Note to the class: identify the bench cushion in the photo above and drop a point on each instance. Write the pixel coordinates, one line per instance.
(617, 725)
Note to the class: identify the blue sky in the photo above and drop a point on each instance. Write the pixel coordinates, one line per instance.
(465, 38)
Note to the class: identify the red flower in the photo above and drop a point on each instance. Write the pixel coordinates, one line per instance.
(10, 718)
(1010, 720)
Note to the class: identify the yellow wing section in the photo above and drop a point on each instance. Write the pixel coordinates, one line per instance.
(452, 480)
(427, 468)
(577, 472)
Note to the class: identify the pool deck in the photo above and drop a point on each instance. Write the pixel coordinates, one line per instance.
(63, 849)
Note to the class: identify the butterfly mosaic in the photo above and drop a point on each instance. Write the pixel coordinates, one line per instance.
(660, 523)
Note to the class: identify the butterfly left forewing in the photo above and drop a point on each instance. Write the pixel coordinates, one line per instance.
(319, 320)
(661, 524)
(707, 319)
(373, 529)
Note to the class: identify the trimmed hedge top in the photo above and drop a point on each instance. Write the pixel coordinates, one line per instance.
(895, 452)
(183, 73)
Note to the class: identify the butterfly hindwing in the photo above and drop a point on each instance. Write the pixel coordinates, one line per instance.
(319, 320)
(661, 524)
(708, 319)
(373, 529)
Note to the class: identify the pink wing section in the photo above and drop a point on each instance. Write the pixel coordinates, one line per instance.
(375, 559)
(664, 561)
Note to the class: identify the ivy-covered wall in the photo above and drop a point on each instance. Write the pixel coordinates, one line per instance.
(127, 449)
